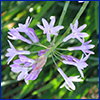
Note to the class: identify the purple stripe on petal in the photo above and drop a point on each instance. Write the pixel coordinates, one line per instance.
(27, 64)
(41, 52)
(33, 66)
(34, 37)
(67, 57)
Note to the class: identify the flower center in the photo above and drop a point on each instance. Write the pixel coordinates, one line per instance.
(49, 31)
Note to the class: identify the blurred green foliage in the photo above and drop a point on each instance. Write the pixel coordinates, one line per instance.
(46, 86)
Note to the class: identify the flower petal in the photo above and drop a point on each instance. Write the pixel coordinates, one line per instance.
(23, 52)
(10, 58)
(74, 48)
(82, 75)
(83, 34)
(81, 27)
(72, 27)
(67, 87)
(68, 37)
(57, 28)
(69, 62)
(40, 26)
(48, 37)
(52, 22)
(76, 24)
(20, 76)
(11, 45)
(33, 35)
(45, 23)
(18, 62)
(75, 78)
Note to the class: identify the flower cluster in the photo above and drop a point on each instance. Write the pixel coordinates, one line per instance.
(29, 69)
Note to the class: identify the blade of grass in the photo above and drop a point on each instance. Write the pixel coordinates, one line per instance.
(62, 17)
(12, 92)
(97, 16)
(3, 83)
(96, 79)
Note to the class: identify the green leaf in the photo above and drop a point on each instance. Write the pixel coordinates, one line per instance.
(96, 79)
(97, 16)
(15, 90)
(3, 83)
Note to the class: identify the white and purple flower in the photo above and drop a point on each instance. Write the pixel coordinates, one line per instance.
(14, 35)
(80, 64)
(69, 80)
(49, 28)
(12, 52)
(84, 47)
(29, 31)
(29, 69)
(24, 69)
(36, 68)
(76, 32)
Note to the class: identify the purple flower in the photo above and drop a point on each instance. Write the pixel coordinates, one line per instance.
(41, 52)
(69, 81)
(49, 28)
(76, 32)
(84, 47)
(29, 31)
(24, 69)
(80, 64)
(14, 35)
(12, 52)
(36, 68)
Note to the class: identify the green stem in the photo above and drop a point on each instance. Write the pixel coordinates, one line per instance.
(39, 44)
(61, 49)
(35, 51)
(57, 57)
(54, 61)
(42, 45)
(68, 30)
(62, 17)
(59, 53)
